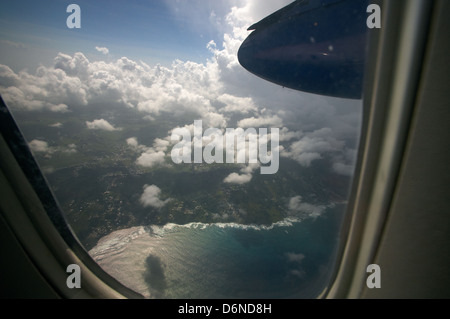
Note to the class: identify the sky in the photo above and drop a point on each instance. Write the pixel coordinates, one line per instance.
(166, 57)
(154, 31)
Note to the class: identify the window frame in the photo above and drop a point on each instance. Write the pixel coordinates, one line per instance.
(393, 71)
(392, 76)
(32, 213)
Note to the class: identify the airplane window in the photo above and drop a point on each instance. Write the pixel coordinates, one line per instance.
(200, 149)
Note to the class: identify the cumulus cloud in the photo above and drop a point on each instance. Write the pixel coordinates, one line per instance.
(245, 176)
(161, 144)
(235, 178)
(235, 104)
(40, 146)
(248, 12)
(264, 121)
(219, 91)
(312, 146)
(132, 141)
(151, 197)
(8, 77)
(71, 148)
(49, 89)
(151, 158)
(101, 125)
(184, 87)
(296, 205)
(102, 50)
(287, 135)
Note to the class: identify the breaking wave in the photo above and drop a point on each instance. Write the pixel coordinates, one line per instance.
(218, 260)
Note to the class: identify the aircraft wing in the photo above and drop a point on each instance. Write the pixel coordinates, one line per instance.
(316, 46)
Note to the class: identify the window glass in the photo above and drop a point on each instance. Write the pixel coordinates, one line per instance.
(132, 108)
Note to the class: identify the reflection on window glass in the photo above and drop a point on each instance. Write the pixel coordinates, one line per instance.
(183, 174)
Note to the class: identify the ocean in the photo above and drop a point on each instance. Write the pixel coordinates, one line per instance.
(293, 258)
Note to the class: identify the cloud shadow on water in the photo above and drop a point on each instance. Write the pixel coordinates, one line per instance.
(154, 276)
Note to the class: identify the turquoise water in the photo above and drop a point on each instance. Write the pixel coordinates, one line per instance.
(290, 259)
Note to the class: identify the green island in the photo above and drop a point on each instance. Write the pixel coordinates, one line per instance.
(98, 184)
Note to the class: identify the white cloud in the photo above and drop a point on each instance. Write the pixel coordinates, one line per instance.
(287, 135)
(40, 146)
(313, 146)
(245, 177)
(57, 125)
(151, 158)
(296, 205)
(52, 89)
(235, 104)
(101, 125)
(267, 121)
(160, 144)
(184, 87)
(151, 197)
(235, 178)
(250, 168)
(71, 148)
(102, 50)
(250, 11)
(8, 77)
(217, 91)
(132, 141)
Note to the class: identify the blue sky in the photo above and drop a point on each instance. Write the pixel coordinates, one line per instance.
(154, 31)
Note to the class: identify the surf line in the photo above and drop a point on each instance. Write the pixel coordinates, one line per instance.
(240, 146)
